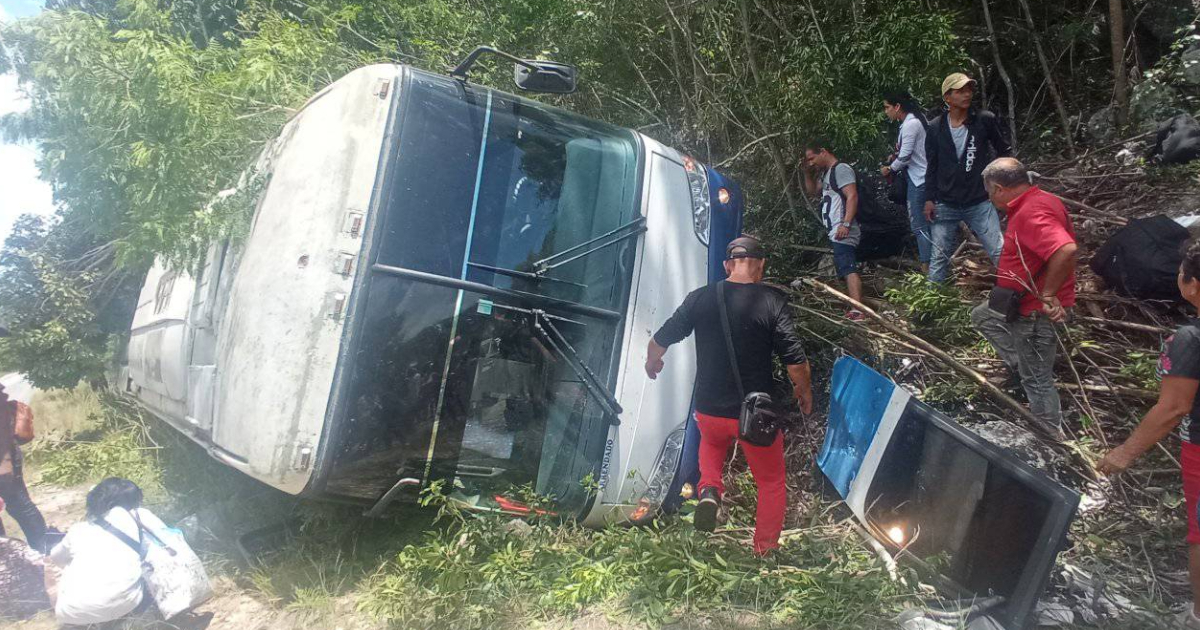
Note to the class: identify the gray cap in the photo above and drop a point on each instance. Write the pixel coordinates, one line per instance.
(744, 247)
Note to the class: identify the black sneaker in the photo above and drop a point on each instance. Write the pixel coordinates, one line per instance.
(706, 513)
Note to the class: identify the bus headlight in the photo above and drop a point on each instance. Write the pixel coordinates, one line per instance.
(701, 203)
(659, 483)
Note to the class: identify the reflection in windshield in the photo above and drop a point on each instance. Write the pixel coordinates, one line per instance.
(552, 185)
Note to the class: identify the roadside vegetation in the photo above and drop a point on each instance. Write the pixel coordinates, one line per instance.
(437, 565)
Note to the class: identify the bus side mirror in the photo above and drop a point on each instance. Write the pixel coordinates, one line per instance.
(547, 77)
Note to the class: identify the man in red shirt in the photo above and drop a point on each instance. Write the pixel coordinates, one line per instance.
(1035, 284)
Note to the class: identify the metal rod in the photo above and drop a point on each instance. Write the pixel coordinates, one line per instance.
(522, 274)
(475, 287)
(460, 71)
(591, 381)
(390, 495)
(632, 224)
(597, 248)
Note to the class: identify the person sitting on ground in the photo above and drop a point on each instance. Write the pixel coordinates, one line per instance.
(1035, 285)
(839, 207)
(16, 428)
(102, 574)
(909, 162)
(956, 149)
(760, 324)
(23, 592)
(1178, 405)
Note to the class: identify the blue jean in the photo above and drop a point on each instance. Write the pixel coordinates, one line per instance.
(916, 218)
(983, 220)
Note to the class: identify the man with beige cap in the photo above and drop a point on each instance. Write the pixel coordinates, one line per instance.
(957, 148)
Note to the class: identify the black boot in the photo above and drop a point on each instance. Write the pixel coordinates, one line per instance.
(706, 513)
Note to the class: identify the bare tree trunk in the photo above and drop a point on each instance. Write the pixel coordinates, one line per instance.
(746, 37)
(1050, 84)
(1116, 29)
(777, 156)
(1008, 86)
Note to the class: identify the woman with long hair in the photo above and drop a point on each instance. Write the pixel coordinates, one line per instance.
(1179, 370)
(909, 162)
(102, 572)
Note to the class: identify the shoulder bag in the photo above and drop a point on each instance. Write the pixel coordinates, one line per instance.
(758, 424)
(171, 571)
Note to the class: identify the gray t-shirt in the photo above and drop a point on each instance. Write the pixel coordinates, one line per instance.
(959, 135)
(833, 209)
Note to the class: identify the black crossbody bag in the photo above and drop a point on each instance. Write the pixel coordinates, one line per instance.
(758, 423)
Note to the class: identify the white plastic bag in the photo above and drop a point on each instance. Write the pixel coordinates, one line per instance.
(174, 574)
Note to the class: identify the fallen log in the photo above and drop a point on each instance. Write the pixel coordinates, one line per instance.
(1099, 215)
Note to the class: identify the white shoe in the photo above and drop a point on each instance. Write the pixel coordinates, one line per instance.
(1187, 620)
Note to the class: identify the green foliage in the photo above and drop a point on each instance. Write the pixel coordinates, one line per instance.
(950, 393)
(1142, 369)
(937, 307)
(118, 445)
(139, 128)
(480, 572)
(60, 331)
(144, 111)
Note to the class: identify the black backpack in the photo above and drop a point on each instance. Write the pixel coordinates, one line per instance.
(1142, 259)
(884, 226)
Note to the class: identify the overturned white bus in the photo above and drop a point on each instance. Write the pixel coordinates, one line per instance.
(444, 282)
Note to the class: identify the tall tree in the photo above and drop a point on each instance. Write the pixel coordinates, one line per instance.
(1116, 30)
(1051, 84)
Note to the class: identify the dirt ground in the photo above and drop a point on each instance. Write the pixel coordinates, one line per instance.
(232, 607)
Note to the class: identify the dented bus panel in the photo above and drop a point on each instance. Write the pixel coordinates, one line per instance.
(443, 282)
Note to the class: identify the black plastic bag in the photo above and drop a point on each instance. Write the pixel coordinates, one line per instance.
(1142, 259)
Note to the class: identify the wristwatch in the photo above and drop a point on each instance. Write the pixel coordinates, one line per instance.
(845, 224)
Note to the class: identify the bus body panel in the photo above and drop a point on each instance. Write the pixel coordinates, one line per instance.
(158, 342)
(278, 342)
(243, 358)
(672, 262)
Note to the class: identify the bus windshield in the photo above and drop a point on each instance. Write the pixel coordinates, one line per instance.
(490, 324)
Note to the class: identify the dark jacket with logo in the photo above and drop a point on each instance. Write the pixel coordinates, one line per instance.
(959, 181)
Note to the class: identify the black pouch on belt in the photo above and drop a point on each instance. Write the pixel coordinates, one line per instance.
(1006, 302)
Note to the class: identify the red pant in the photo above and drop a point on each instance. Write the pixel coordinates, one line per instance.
(1190, 460)
(766, 464)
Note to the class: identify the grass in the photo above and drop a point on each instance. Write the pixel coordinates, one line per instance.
(85, 436)
(475, 572)
(60, 413)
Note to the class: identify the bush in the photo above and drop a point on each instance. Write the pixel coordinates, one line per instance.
(937, 307)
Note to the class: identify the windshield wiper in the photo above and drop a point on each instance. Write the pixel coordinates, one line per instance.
(551, 262)
(631, 229)
(549, 332)
(521, 274)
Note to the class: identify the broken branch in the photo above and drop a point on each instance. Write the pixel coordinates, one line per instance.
(1031, 422)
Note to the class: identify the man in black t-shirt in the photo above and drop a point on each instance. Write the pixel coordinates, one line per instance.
(760, 325)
